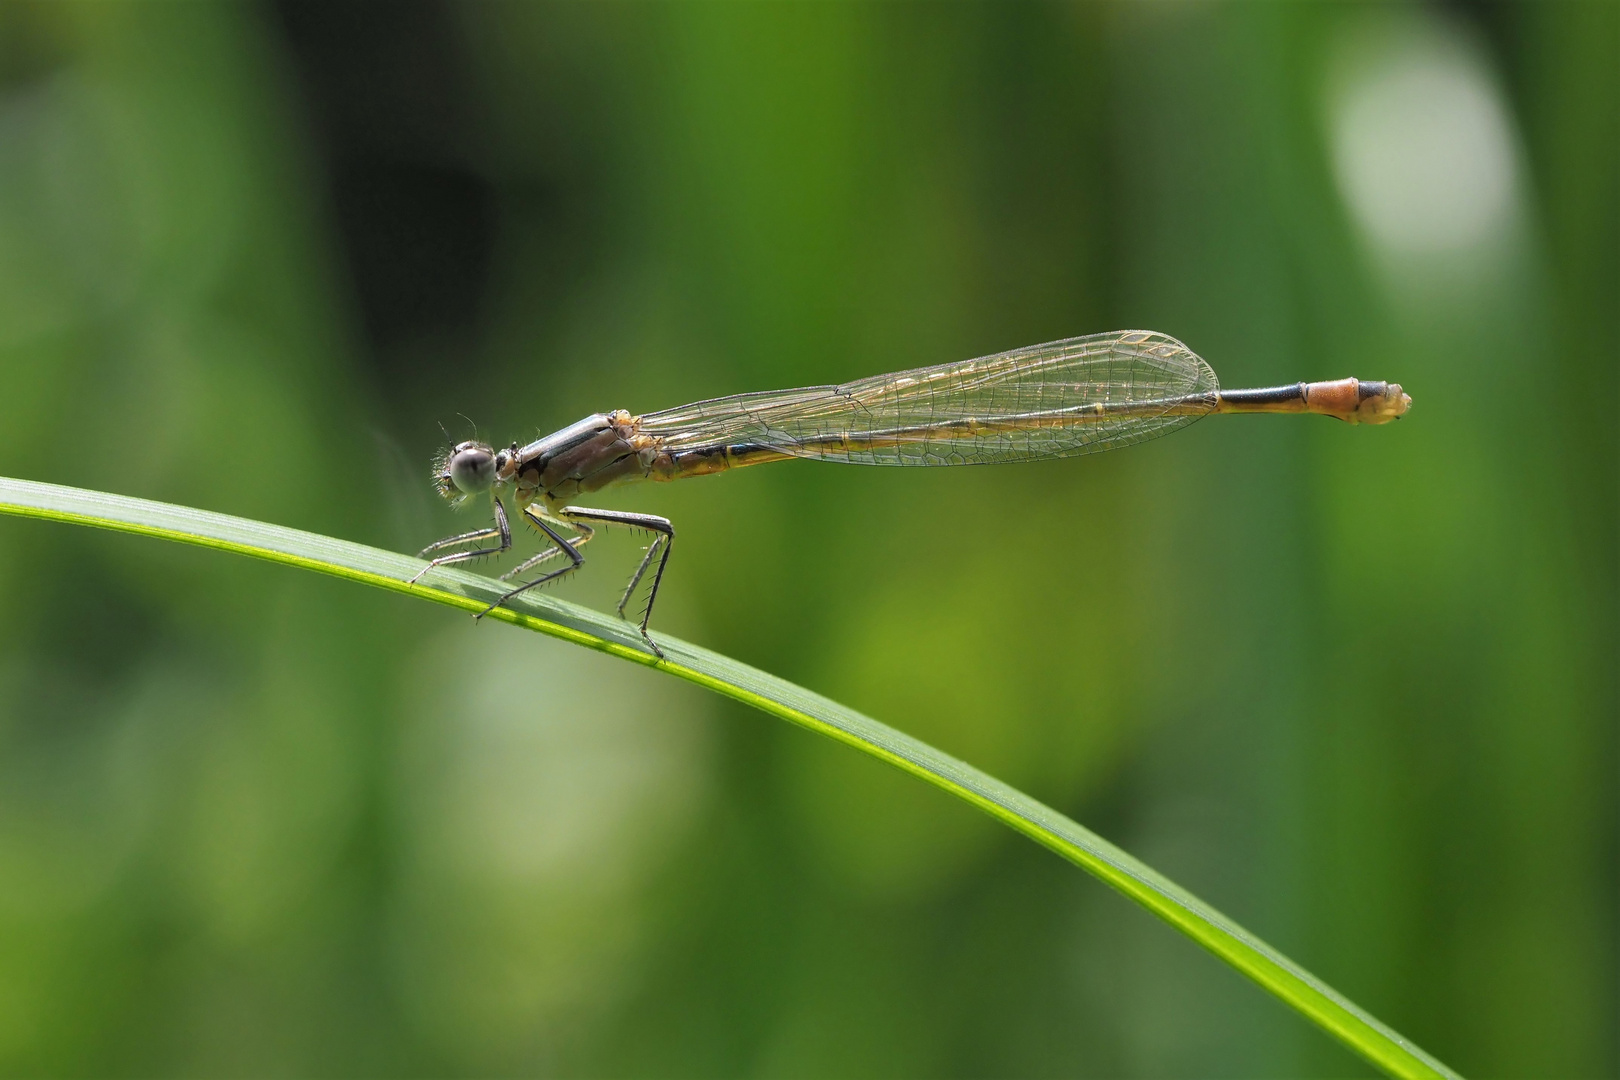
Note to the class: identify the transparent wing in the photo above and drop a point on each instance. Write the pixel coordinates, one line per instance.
(1077, 396)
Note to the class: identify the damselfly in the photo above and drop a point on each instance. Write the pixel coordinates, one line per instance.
(1078, 396)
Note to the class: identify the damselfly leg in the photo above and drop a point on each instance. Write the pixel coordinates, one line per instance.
(659, 549)
(563, 547)
(575, 517)
(531, 512)
(501, 530)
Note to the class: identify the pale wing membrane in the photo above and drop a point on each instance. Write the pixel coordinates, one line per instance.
(1061, 399)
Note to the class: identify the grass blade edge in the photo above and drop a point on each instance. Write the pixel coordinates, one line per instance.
(388, 570)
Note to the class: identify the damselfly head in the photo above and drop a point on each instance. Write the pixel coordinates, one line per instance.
(466, 469)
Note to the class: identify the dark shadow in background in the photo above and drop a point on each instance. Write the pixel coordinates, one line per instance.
(393, 119)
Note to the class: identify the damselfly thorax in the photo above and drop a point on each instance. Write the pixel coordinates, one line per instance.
(1066, 398)
(605, 449)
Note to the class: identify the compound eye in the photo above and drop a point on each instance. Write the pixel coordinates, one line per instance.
(472, 469)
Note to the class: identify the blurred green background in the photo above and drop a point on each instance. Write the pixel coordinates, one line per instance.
(1356, 687)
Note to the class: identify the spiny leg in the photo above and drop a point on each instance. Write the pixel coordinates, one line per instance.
(585, 531)
(635, 578)
(563, 545)
(476, 534)
(664, 542)
(502, 530)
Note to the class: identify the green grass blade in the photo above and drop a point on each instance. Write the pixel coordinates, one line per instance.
(582, 626)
